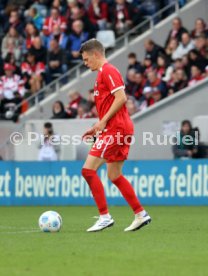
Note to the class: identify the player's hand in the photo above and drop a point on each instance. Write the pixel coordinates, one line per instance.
(89, 133)
(95, 131)
(99, 127)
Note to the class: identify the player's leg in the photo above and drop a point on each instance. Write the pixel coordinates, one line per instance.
(89, 172)
(115, 175)
(126, 189)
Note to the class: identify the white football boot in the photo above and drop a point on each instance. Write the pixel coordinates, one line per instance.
(139, 222)
(101, 224)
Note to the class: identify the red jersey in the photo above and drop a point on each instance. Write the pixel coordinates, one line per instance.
(37, 69)
(108, 81)
(193, 81)
(50, 22)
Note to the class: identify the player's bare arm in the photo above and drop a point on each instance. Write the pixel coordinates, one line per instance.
(120, 100)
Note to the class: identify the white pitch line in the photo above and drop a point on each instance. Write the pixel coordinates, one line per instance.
(20, 232)
(18, 228)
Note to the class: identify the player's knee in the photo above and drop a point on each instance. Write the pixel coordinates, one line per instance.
(87, 172)
(84, 172)
(113, 175)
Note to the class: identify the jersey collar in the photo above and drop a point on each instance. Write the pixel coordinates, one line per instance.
(101, 68)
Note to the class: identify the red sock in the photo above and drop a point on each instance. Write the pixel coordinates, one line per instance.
(128, 193)
(97, 189)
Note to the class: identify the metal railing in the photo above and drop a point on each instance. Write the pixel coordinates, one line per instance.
(123, 41)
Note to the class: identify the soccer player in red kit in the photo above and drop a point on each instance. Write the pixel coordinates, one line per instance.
(113, 131)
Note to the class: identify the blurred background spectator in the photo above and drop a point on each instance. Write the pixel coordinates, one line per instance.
(132, 105)
(12, 91)
(184, 46)
(14, 21)
(12, 43)
(152, 50)
(35, 18)
(134, 63)
(146, 99)
(156, 83)
(38, 50)
(75, 99)
(54, 19)
(178, 81)
(33, 73)
(59, 111)
(56, 61)
(196, 75)
(98, 14)
(49, 148)
(61, 37)
(176, 31)
(124, 16)
(187, 141)
(199, 28)
(30, 33)
(76, 38)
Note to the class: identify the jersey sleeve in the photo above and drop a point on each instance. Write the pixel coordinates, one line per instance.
(46, 26)
(40, 68)
(113, 79)
(24, 68)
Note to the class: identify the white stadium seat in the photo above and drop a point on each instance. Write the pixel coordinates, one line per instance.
(107, 38)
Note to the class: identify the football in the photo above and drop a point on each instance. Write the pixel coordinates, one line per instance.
(50, 221)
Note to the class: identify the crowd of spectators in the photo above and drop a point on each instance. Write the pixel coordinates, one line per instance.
(181, 62)
(78, 107)
(40, 39)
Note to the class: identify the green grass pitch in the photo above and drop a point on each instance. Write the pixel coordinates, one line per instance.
(175, 243)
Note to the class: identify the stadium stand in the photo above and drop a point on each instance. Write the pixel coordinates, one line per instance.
(31, 29)
(166, 69)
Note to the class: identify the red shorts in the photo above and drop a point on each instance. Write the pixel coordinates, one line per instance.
(112, 146)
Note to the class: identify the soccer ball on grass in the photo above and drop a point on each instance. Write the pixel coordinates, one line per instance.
(50, 221)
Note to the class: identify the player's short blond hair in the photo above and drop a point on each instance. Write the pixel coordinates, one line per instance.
(92, 45)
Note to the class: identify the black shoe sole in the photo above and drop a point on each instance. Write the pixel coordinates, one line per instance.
(143, 224)
(110, 225)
